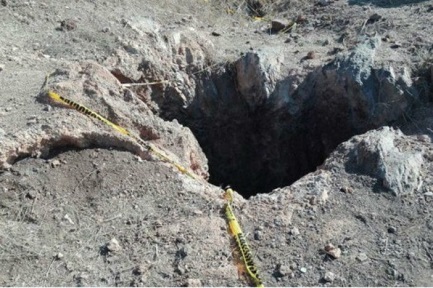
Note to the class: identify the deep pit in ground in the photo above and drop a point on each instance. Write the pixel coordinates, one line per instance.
(257, 148)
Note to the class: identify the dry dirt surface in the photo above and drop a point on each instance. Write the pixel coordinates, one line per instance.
(318, 113)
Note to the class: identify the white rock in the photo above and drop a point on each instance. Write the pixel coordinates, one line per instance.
(295, 231)
(303, 270)
(68, 218)
(377, 156)
(113, 245)
(329, 276)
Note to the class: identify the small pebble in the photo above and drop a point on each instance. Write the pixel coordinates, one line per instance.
(114, 246)
(68, 218)
(2, 67)
(362, 257)
(303, 270)
(284, 270)
(329, 276)
(48, 108)
(329, 247)
(32, 194)
(8, 109)
(333, 251)
(428, 194)
(313, 200)
(180, 270)
(55, 163)
(295, 231)
(58, 256)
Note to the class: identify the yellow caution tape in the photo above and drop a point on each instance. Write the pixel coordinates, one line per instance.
(234, 226)
(86, 111)
(241, 241)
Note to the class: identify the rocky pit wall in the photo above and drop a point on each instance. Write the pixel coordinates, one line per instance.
(260, 127)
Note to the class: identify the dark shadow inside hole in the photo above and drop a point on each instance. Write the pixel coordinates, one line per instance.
(258, 149)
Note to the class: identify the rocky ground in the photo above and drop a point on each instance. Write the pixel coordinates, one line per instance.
(317, 112)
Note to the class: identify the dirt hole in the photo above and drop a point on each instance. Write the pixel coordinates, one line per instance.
(253, 149)
(256, 149)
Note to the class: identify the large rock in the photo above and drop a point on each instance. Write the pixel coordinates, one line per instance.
(360, 88)
(257, 74)
(377, 153)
